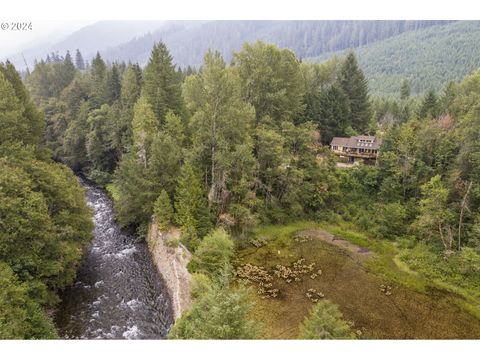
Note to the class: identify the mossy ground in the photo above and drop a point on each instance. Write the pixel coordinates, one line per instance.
(415, 308)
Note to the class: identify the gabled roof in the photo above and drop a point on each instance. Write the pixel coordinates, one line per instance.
(358, 142)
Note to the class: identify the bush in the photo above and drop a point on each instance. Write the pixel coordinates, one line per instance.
(201, 285)
(213, 253)
(324, 322)
(391, 219)
(220, 313)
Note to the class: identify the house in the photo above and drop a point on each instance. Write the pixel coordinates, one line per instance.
(356, 148)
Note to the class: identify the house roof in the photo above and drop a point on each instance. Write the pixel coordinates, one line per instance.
(358, 142)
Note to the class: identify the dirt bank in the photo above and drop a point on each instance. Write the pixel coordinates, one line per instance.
(171, 261)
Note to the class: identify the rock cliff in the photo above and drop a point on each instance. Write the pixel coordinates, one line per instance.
(171, 259)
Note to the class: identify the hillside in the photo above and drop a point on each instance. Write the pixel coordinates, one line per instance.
(89, 40)
(188, 42)
(428, 57)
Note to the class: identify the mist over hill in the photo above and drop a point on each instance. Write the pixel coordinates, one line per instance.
(188, 42)
(427, 53)
(89, 40)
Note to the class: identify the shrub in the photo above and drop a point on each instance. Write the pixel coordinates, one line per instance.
(213, 253)
(220, 313)
(325, 321)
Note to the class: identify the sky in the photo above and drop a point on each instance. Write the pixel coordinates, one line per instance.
(12, 42)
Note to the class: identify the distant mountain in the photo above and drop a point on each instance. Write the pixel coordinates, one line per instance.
(428, 57)
(428, 53)
(89, 40)
(188, 42)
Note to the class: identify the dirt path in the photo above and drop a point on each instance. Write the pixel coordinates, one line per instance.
(334, 240)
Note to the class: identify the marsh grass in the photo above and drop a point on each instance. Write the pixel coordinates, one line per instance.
(416, 308)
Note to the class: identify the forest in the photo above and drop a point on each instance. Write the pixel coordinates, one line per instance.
(428, 58)
(223, 151)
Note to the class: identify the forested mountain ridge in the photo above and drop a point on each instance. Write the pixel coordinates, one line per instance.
(189, 40)
(99, 35)
(187, 44)
(427, 58)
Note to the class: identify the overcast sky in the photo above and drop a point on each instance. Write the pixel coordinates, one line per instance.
(12, 42)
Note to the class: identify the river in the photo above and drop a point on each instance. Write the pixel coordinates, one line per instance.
(118, 293)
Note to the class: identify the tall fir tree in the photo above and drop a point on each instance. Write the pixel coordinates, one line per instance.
(162, 84)
(429, 108)
(112, 85)
(79, 62)
(191, 205)
(98, 73)
(405, 90)
(355, 86)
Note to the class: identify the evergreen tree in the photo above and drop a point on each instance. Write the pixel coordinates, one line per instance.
(68, 72)
(324, 323)
(79, 62)
(135, 202)
(112, 85)
(190, 204)
(355, 86)
(333, 113)
(405, 90)
(98, 73)
(163, 211)
(429, 108)
(162, 85)
(166, 155)
(213, 253)
(221, 313)
(100, 151)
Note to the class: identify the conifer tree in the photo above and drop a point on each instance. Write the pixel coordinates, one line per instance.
(405, 90)
(98, 73)
(112, 85)
(162, 84)
(166, 154)
(333, 113)
(79, 62)
(163, 211)
(190, 203)
(429, 108)
(355, 86)
(99, 148)
(325, 322)
(68, 70)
